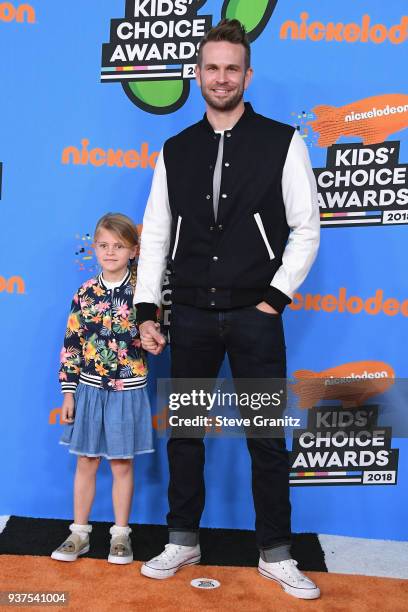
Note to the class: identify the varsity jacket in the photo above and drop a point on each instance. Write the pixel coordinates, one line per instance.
(101, 345)
(266, 234)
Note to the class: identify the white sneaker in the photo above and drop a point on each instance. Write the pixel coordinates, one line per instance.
(290, 578)
(173, 558)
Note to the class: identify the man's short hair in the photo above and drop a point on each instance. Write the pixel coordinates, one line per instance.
(228, 30)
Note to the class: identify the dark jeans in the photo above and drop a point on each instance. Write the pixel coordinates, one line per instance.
(254, 342)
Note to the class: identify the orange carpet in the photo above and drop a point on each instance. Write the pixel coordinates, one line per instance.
(95, 585)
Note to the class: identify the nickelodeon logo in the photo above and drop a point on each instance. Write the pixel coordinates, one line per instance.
(352, 383)
(99, 157)
(22, 14)
(54, 415)
(372, 119)
(15, 284)
(374, 305)
(345, 32)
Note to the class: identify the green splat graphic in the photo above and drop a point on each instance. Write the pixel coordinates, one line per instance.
(158, 97)
(157, 93)
(254, 14)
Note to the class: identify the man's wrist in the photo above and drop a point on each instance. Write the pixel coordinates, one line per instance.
(146, 312)
(277, 299)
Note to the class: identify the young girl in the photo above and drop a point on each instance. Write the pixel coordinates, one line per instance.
(103, 377)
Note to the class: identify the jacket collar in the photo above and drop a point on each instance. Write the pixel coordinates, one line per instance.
(247, 114)
(125, 281)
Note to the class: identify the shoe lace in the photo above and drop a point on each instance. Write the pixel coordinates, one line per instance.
(289, 567)
(169, 552)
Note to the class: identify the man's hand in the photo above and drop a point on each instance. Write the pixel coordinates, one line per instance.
(68, 408)
(152, 340)
(265, 307)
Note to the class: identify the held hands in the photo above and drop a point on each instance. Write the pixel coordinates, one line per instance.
(265, 307)
(68, 408)
(151, 338)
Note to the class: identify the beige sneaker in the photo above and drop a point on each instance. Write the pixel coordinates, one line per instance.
(120, 550)
(71, 549)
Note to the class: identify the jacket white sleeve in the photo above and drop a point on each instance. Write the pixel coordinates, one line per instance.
(155, 239)
(302, 214)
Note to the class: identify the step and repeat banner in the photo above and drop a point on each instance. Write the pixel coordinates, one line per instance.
(90, 91)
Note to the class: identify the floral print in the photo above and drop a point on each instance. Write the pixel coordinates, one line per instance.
(102, 345)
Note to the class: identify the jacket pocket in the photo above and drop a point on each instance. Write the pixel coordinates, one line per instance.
(176, 239)
(261, 228)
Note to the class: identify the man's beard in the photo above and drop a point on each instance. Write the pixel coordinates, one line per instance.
(224, 105)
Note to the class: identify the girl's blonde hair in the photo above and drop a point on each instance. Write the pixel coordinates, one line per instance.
(126, 230)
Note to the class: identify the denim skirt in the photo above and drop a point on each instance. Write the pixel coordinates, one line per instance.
(111, 424)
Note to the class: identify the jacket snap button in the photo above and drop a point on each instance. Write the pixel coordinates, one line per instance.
(208, 197)
(220, 227)
(213, 290)
(215, 258)
(212, 304)
(224, 195)
(227, 165)
(228, 134)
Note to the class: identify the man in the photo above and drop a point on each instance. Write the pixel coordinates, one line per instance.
(233, 202)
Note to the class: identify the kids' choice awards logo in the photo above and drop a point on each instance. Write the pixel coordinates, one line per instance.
(152, 51)
(205, 583)
(362, 184)
(343, 447)
(23, 13)
(343, 444)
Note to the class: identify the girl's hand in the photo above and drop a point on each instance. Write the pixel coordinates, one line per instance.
(68, 408)
(151, 338)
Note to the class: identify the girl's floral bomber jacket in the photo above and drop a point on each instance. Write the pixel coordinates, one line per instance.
(102, 346)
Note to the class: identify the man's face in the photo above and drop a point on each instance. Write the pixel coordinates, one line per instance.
(222, 76)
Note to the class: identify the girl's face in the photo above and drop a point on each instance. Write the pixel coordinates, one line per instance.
(112, 254)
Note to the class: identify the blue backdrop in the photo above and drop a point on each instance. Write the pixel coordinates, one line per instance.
(53, 98)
